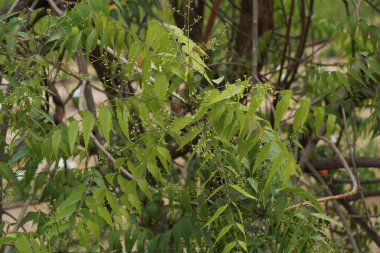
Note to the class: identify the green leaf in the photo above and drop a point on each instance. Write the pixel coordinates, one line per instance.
(301, 114)
(7, 173)
(8, 238)
(244, 146)
(356, 76)
(73, 134)
(364, 30)
(146, 68)
(231, 91)
(229, 247)
(54, 37)
(255, 103)
(112, 200)
(99, 194)
(342, 79)
(374, 36)
(91, 41)
(194, 132)
(83, 236)
(63, 213)
(222, 233)
(87, 125)
(331, 118)
(23, 245)
(289, 169)
(155, 171)
(243, 245)
(94, 229)
(134, 200)
(161, 86)
(323, 216)
(215, 192)
(206, 103)
(75, 196)
(274, 169)
(11, 45)
(367, 71)
(305, 195)
(134, 52)
(145, 188)
(119, 162)
(164, 156)
(73, 43)
(152, 34)
(219, 80)
(253, 183)
(262, 156)
(119, 42)
(319, 115)
(180, 123)
(242, 191)
(105, 120)
(282, 107)
(216, 215)
(56, 141)
(122, 115)
(103, 212)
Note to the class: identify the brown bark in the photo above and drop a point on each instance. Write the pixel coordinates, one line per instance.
(243, 41)
(335, 163)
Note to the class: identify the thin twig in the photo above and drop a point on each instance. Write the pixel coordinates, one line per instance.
(13, 6)
(373, 6)
(364, 181)
(110, 157)
(287, 42)
(352, 154)
(336, 206)
(349, 172)
(255, 40)
(20, 217)
(55, 7)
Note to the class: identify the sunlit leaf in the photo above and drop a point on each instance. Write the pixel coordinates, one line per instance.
(301, 114)
(88, 123)
(73, 134)
(105, 120)
(282, 107)
(242, 191)
(216, 215)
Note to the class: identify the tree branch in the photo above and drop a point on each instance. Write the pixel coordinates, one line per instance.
(336, 163)
(110, 157)
(355, 187)
(336, 206)
(255, 40)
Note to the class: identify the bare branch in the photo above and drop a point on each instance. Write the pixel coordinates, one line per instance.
(255, 40)
(13, 6)
(355, 187)
(55, 7)
(110, 157)
(336, 206)
(335, 163)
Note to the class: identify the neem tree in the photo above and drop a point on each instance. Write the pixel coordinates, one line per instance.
(189, 157)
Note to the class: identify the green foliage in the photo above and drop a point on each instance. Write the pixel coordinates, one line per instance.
(282, 107)
(232, 188)
(301, 114)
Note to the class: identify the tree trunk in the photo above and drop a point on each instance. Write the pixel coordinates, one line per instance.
(243, 41)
